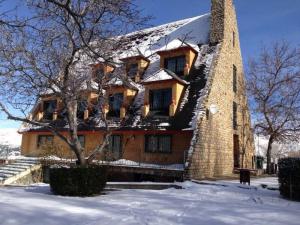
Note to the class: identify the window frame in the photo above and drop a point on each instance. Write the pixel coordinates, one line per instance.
(39, 137)
(158, 136)
(160, 111)
(176, 58)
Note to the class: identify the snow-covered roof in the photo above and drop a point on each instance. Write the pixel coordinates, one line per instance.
(192, 33)
(163, 75)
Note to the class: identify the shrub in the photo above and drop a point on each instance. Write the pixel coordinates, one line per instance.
(78, 181)
(289, 178)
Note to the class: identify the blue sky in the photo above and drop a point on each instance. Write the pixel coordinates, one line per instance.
(260, 22)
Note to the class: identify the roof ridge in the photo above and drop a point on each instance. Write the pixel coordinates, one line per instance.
(181, 21)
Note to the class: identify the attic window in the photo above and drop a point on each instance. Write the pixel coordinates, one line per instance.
(115, 104)
(99, 74)
(81, 107)
(160, 101)
(132, 70)
(49, 108)
(176, 64)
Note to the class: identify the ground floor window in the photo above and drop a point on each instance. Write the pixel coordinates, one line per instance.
(81, 139)
(115, 145)
(158, 143)
(44, 140)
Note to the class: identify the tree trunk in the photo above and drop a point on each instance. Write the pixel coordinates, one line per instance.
(269, 152)
(72, 119)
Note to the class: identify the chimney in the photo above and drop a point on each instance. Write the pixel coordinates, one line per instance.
(221, 10)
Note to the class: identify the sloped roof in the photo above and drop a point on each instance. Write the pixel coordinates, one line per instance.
(163, 75)
(193, 32)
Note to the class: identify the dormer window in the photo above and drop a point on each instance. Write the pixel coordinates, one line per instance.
(49, 107)
(176, 64)
(160, 101)
(99, 74)
(81, 107)
(136, 66)
(115, 104)
(101, 71)
(179, 60)
(132, 70)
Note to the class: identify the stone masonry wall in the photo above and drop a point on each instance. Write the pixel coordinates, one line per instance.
(213, 150)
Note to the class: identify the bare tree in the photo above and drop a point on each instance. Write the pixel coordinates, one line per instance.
(50, 52)
(273, 87)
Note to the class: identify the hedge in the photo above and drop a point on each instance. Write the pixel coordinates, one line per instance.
(289, 178)
(78, 181)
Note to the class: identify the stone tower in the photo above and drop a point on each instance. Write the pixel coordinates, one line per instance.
(220, 145)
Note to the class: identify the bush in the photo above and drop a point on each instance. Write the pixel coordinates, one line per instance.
(289, 178)
(78, 181)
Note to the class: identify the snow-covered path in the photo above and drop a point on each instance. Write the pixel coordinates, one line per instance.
(196, 204)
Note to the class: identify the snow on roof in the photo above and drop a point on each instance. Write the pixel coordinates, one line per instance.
(193, 31)
(175, 44)
(161, 75)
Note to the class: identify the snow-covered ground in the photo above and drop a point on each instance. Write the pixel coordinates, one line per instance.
(10, 136)
(215, 204)
(10, 141)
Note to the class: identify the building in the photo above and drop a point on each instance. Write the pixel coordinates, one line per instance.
(184, 107)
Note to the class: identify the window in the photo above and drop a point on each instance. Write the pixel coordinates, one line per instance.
(236, 151)
(115, 145)
(233, 39)
(160, 101)
(99, 74)
(176, 64)
(81, 107)
(132, 70)
(234, 79)
(82, 140)
(234, 116)
(44, 140)
(49, 108)
(158, 143)
(115, 104)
